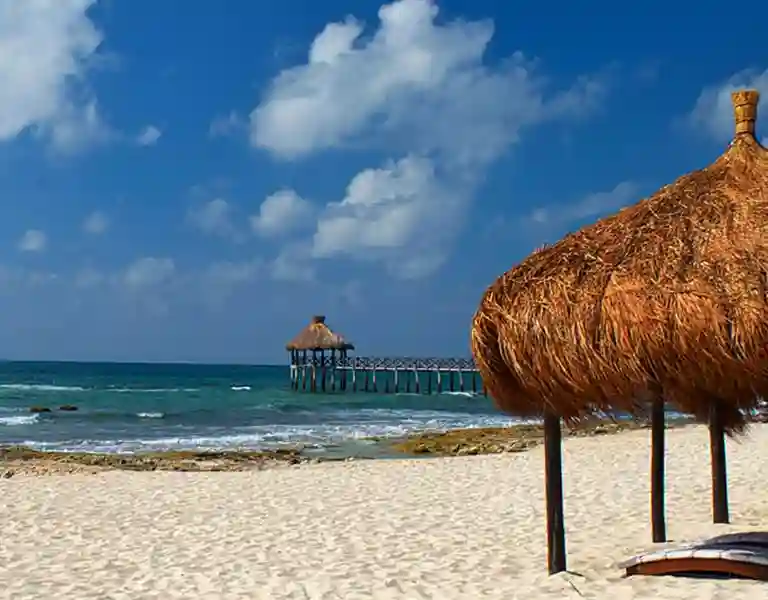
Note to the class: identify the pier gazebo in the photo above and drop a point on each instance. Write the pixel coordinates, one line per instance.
(317, 348)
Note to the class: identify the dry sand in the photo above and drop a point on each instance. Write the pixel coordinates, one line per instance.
(448, 528)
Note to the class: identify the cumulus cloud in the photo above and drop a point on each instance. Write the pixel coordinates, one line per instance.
(713, 111)
(33, 240)
(96, 223)
(280, 213)
(413, 79)
(148, 136)
(46, 49)
(421, 91)
(213, 218)
(401, 214)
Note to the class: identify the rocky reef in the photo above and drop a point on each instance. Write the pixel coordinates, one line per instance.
(16, 460)
(497, 440)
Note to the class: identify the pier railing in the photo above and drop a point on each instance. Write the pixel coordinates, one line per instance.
(406, 363)
(318, 371)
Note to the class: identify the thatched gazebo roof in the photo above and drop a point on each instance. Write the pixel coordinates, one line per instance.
(670, 293)
(317, 336)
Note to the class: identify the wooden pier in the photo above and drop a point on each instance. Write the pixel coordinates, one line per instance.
(321, 372)
(320, 362)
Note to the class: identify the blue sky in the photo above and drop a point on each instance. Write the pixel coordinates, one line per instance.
(192, 181)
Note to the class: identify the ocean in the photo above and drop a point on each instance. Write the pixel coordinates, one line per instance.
(152, 407)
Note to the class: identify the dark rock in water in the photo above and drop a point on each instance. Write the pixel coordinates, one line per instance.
(68, 407)
(39, 409)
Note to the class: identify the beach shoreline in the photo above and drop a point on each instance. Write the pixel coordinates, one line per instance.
(20, 460)
(449, 528)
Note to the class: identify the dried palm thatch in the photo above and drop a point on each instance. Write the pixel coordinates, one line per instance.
(317, 336)
(670, 293)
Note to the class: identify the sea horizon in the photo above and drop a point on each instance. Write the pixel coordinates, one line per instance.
(157, 406)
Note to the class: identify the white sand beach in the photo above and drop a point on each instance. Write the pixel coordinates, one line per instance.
(456, 528)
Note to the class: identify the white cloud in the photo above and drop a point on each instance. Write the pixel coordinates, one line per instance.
(592, 206)
(148, 272)
(96, 223)
(413, 79)
(282, 212)
(419, 90)
(400, 214)
(46, 48)
(213, 218)
(148, 136)
(33, 240)
(713, 111)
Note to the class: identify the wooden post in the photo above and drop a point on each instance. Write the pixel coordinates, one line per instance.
(293, 369)
(375, 387)
(429, 382)
(354, 377)
(553, 460)
(461, 381)
(719, 475)
(333, 369)
(658, 524)
(474, 383)
(313, 384)
(397, 381)
(324, 370)
(417, 381)
(439, 382)
(304, 371)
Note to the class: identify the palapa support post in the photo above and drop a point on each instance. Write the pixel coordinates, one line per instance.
(553, 475)
(658, 522)
(719, 474)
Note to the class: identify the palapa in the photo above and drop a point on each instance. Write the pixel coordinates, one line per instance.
(317, 336)
(670, 293)
(665, 300)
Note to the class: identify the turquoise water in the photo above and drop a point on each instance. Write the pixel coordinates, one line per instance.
(136, 407)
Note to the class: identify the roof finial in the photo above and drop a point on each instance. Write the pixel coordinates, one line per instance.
(745, 110)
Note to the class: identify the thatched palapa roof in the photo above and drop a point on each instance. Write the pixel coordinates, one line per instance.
(670, 293)
(317, 336)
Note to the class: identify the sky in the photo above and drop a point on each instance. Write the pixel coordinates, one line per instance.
(192, 181)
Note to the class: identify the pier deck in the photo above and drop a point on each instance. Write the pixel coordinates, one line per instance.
(318, 371)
